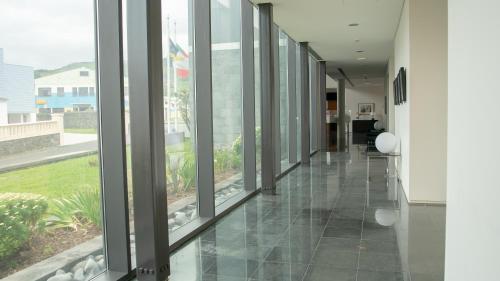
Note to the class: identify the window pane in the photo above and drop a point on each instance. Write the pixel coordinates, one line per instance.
(283, 70)
(227, 99)
(179, 113)
(51, 204)
(258, 133)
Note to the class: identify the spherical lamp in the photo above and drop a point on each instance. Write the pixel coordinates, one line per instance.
(385, 217)
(386, 142)
(378, 125)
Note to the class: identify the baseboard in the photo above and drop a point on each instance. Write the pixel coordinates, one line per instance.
(418, 202)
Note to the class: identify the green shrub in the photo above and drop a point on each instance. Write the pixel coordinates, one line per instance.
(181, 169)
(19, 217)
(222, 159)
(187, 171)
(82, 208)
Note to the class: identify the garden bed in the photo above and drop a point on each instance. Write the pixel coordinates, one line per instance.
(44, 245)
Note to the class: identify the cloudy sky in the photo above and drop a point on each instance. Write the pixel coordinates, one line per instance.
(53, 33)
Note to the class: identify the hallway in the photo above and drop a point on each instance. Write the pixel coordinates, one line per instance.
(320, 226)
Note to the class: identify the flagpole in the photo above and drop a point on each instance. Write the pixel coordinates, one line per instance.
(176, 124)
(168, 75)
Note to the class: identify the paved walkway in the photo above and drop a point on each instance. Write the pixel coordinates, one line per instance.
(46, 155)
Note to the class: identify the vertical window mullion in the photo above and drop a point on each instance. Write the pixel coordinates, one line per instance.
(203, 106)
(304, 77)
(276, 107)
(292, 103)
(267, 80)
(112, 135)
(144, 30)
(322, 104)
(248, 91)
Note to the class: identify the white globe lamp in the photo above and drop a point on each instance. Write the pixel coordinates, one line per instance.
(386, 142)
(378, 125)
(385, 217)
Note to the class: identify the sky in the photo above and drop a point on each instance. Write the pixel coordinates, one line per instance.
(48, 34)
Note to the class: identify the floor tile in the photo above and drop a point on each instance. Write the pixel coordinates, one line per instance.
(318, 227)
(271, 271)
(379, 262)
(382, 276)
(320, 272)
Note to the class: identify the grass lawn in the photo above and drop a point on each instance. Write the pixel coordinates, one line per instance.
(56, 180)
(62, 179)
(80, 130)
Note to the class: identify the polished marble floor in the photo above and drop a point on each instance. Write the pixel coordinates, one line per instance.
(320, 226)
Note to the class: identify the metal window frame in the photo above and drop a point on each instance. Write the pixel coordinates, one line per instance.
(313, 104)
(298, 117)
(203, 107)
(248, 92)
(145, 64)
(277, 98)
(292, 102)
(322, 104)
(304, 77)
(111, 125)
(341, 128)
(267, 79)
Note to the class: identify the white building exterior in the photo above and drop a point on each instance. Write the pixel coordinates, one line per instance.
(16, 90)
(70, 90)
(4, 115)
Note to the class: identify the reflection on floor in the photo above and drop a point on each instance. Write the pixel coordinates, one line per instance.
(321, 227)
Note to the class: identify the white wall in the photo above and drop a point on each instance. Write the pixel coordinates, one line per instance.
(331, 83)
(391, 126)
(402, 112)
(365, 94)
(420, 46)
(473, 226)
(428, 107)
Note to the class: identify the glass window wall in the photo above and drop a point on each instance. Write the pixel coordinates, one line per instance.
(283, 99)
(227, 98)
(50, 185)
(179, 114)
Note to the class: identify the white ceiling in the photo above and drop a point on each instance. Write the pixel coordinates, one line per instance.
(324, 24)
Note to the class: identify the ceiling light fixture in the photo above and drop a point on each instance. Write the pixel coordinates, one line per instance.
(353, 24)
(360, 51)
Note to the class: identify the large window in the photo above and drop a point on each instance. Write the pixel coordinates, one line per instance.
(283, 99)
(258, 98)
(50, 188)
(227, 98)
(179, 113)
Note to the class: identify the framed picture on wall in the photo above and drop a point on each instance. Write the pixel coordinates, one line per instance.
(366, 108)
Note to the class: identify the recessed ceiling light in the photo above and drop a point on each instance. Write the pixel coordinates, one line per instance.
(360, 51)
(361, 58)
(354, 24)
